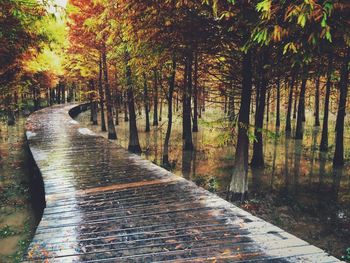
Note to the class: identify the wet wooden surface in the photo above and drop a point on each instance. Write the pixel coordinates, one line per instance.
(104, 204)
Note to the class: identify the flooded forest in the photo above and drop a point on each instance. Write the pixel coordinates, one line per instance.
(247, 99)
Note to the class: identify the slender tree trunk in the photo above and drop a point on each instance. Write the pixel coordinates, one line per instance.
(238, 185)
(268, 107)
(112, 135)
(63, 87)
(257, 96)
(338, 159)
(203, 99)
(278, 100)
(93, 103)
(231, 104)
(160, 109)
(225, 103)
(155, 101)
(134, 144)
(324, 136)
(100, 89)
(126, 115)
(258, 153)
(301, 105)
(295, 100)
(117, 105)
(59, 93)
(177, 101)
(195, 94)
(187, 131)
(146, 101)
(184, 98)
(290, 101)
(10, 115)
(91, 100)
(317, 101)
(170, 115)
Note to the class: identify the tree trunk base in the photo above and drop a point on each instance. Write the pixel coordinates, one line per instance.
(11, 119)
(166, 163)
(236, 197)
(134, 149)
(112, 136)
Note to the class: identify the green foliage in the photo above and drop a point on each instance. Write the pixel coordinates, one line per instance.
(7, 231)
(347, 255)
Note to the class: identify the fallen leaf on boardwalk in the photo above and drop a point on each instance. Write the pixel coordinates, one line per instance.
(226, 252)
(171, 241)
(110, 239)
(179, 246)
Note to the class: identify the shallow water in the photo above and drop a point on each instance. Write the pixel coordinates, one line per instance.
(18, 218)
(298, 190)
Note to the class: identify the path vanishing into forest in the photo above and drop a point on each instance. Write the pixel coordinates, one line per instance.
(104, 204)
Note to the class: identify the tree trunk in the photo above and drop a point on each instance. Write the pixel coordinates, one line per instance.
(195, 94)
(177, 101)
(93, 103)
(146, 102)
(258, 154)
(134, 144)
(278, 100)
(317, 101)
(63, 92)
(187, 131)
(36, 98)
(117, 105)
(161, 109)
(155, 99)
(59, 93)
(170, 115)
(112, 135)
(290, 101)
(338, 159)
(268, 107)
(238, 185)
(231, 104)
(295, 100)
(225, 104)
(126, 115)
(100, 89)
(324, 136)
(91, 100)
(203, 100)
(301, 105)
(10, 115)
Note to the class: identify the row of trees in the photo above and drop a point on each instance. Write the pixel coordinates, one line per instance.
(129, 56)
(240, 50)
(31, 54)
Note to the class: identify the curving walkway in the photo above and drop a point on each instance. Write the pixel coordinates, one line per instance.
(104, 204)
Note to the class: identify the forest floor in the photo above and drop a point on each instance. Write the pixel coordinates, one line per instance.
(17, 216)
(297, 191)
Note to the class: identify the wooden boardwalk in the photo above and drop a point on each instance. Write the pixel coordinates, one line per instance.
(104, 204)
